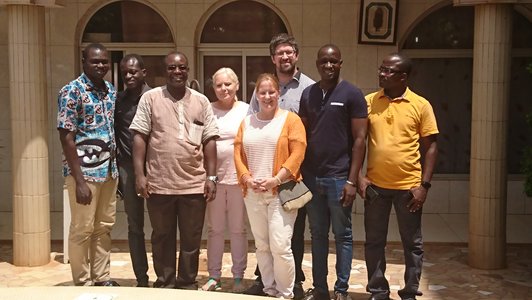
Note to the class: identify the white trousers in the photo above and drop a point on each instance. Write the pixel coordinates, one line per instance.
(272, 229)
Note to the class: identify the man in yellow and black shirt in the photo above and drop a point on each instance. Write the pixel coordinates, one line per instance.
(402, 130)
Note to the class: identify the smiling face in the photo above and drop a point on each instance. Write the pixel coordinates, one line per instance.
(132, 74)
(285, 59)
(329, 63)
(95, 64)
(267, 92)
(225, 87)
(176, 70)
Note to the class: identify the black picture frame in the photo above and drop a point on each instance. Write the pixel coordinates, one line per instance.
(378, 22)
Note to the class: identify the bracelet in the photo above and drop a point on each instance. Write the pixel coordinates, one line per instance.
(350, 183)
(278, 180)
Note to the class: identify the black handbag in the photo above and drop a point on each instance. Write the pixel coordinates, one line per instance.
(293, 195)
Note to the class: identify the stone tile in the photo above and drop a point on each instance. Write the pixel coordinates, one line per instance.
(435, 229)
(516, 198)
(458, 224)
(437, 198)
(316, 24)
(445, 272)
(459, 196)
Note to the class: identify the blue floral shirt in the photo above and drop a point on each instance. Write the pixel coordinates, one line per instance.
(90, 113)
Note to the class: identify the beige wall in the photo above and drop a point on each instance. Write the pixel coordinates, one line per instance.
(313, 24)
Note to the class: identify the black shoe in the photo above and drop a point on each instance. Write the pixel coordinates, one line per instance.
(380, 296)
(406, 296)
(143, 283)
(312, 294)
(299, 293)
(106, 283)
(257, 289)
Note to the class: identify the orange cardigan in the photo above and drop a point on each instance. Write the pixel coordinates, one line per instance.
(289, 152)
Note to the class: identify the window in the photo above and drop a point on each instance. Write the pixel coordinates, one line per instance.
(237, 35)
(131, 27)
(441, 47)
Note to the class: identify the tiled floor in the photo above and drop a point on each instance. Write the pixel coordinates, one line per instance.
(446, 274)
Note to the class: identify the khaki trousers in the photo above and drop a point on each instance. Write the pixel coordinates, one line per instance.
(89, 242)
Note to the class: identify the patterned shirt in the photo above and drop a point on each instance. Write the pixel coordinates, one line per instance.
(90, 113)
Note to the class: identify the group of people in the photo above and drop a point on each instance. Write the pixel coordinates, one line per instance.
(187, 158)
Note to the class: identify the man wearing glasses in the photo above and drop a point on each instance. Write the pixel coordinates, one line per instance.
(399, 123)
(284, 53)
(174, 157)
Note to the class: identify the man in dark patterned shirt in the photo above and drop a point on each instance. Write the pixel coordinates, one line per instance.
(85, 122)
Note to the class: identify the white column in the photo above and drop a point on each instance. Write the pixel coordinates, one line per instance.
(29, 123)
(491, 82)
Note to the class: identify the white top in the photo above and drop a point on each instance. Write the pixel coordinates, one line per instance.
(228, 122)
(260, 141)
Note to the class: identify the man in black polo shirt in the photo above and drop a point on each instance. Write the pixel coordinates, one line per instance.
(133, 73)
(335, 116)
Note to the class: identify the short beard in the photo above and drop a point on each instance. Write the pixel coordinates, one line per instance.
(290, 71)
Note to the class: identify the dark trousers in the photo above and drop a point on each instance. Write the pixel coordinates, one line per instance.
(298, 245)
(134, 207)
(166, 213)
(376, 218)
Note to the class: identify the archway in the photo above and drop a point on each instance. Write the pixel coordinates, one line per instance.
(130, 27)
(237, 35)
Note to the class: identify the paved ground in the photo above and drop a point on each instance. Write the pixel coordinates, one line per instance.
(446, 274)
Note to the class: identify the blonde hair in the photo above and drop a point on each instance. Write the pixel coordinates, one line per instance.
(267, 77)
(227, 71)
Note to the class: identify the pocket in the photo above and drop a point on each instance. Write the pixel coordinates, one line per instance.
(195, 134)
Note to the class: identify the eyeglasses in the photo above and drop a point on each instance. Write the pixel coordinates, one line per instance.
(288, 53)
(387, 70)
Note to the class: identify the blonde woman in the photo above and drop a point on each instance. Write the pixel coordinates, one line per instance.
(269, 148)
(229, 203)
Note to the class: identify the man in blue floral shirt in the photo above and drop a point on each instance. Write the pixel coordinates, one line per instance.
(85, 122)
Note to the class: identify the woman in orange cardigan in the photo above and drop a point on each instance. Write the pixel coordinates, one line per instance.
(269, 149)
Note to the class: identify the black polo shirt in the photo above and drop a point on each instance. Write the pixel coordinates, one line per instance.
(328, 125)
(125, 109)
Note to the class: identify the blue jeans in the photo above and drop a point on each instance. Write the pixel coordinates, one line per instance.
(325, 209)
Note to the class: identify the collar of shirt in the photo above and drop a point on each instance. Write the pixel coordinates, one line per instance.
(89, 85)
(404, 97)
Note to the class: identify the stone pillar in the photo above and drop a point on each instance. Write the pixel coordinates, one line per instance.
(491, 83)
(29, 124)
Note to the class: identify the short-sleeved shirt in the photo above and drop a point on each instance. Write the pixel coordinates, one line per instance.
(126, 107)
(395, 126)
(176, 131)
(89, 112)
(290, 94)
(328, 124)
(228, 122)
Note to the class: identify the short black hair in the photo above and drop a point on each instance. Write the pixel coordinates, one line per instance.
(134, 56)
(332, 46)
(175, 52)
(92, 46)
(283, 38)
(405, 63)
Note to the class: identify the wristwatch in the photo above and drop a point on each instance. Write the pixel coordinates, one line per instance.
(213, 179)
(426, 185)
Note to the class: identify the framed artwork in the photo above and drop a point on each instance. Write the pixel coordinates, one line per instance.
(378, 22)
